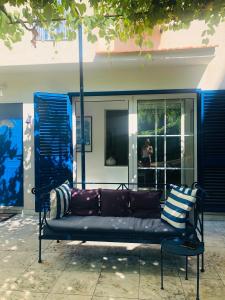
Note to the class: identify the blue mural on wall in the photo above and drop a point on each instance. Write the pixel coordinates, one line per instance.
(11, 155)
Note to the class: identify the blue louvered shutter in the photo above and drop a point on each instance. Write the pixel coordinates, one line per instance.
(212, 144)
(53, 142)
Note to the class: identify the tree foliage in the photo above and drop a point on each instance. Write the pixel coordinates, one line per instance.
(111, 19)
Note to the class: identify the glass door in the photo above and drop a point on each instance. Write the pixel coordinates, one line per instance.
(165, 142)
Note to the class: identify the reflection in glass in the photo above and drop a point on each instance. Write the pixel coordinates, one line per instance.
(173, 177)
(146, 118)
(146, 178)
(173, 152)
(173, 118)
(188, 152)
(150, 118)
(160, 177)
(189, 116)
(146, 150)
(160, 151)
(160, 119)
(169, 126)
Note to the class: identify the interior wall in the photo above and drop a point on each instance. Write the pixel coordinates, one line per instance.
(96, 170)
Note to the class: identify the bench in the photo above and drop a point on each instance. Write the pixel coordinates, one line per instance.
(129, 228)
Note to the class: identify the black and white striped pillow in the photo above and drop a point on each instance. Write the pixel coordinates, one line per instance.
(60, 201)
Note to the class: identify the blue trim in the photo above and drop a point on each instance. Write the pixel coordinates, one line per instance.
(37, 149)
(133, 92)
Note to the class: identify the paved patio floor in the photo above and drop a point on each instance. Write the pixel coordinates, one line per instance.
(100, 271)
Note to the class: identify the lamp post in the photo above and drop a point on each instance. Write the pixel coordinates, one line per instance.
(80, 40)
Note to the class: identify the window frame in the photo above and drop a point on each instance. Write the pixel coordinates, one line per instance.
(133, 129)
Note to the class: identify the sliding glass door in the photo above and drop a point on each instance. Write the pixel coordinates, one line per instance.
(165, 142)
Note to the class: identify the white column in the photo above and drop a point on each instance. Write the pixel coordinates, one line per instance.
(133, 176)
(28, 158)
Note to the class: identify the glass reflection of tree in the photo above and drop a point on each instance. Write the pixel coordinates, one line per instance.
(146, 120)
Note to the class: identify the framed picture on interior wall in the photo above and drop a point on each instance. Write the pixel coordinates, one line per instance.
(87, 133)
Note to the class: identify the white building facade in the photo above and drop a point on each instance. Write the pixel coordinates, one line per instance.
(162, 99)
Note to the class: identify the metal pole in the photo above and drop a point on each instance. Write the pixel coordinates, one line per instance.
(80, 33)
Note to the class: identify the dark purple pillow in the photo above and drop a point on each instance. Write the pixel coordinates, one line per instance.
(85, 202)
(145, 204)
(114, 203)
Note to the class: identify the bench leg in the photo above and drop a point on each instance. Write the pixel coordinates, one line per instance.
(203, 263)
(39, 256)
(197, 296)
(186, 269)
(161, 264)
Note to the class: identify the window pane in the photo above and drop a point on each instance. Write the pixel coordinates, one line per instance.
(188, 152)
(173, 118)
(173, 177)
(188, 116)
(173, 152)
(160, 118)
(146, 152)
(146, 118)
(116, 150)
(169, 126)
(160, 152)
(160, 178)
(146, 178)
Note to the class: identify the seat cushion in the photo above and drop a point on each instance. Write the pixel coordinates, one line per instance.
(145, 204)
(120, 227)
(115, 203)
(85, 202)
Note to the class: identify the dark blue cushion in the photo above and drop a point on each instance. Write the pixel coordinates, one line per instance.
(120, 226)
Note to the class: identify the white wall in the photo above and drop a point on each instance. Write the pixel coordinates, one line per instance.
(20, 83)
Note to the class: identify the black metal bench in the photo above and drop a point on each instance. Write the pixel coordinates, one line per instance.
(115, 229)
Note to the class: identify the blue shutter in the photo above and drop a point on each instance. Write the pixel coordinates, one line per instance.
(53, 141)
(11, 154)
(212, 144)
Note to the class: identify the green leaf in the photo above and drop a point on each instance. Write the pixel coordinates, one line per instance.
(123, 19)
(81, 7)
(205, 41)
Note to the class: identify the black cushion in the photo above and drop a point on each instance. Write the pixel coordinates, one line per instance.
(121, 226)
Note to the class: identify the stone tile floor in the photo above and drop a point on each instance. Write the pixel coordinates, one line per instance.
(100, 271)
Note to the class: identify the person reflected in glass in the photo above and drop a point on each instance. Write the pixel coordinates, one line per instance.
(146, 154)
